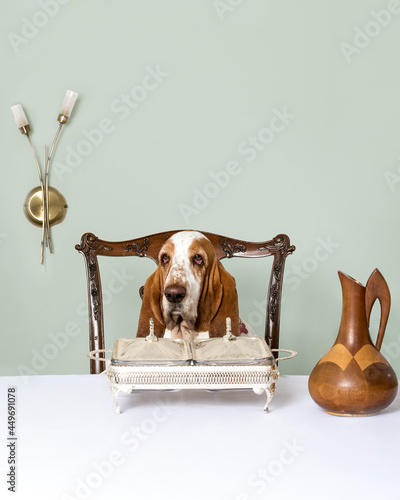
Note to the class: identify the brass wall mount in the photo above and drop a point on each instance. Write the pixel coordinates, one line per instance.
(33, 206)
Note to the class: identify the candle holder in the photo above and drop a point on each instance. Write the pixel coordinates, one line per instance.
(45, 206)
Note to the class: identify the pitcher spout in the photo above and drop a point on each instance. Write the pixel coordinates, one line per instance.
(353, 330)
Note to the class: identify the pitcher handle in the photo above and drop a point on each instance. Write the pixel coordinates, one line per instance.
(377, 288)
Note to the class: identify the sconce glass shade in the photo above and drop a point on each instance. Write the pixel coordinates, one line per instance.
(33, 206)
(68, 103)
(20, 118)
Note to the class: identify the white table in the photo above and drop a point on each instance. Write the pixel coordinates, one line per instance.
(193, 445)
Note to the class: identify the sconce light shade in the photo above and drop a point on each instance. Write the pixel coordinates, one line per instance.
(68, 104)
(20, 118)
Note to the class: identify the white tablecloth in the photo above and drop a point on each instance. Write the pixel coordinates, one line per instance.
(193, 444)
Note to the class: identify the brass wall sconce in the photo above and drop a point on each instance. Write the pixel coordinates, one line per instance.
(45, 206)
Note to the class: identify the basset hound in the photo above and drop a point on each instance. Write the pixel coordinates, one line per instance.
(190, 294)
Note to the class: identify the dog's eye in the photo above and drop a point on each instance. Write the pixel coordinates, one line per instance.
(165, 258)
(198, 259)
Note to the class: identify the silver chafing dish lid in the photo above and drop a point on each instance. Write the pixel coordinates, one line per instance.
(140, 351)
(151, 351)
(231, 350)
(227, 351)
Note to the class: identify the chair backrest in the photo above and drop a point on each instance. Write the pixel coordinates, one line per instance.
(149, 246)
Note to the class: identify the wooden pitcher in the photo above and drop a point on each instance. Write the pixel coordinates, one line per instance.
(354, 378)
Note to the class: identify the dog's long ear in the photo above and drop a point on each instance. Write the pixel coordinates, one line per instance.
(210, 297)
(151, 307)
(218, 300)
(228, 306)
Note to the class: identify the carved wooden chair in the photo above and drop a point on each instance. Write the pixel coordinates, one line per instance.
(149, 246)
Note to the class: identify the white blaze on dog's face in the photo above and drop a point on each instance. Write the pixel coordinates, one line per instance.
(183, 263)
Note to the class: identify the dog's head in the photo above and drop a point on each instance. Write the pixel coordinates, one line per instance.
(190, 292)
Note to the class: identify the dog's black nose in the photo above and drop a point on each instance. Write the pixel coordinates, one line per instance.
(175, 293)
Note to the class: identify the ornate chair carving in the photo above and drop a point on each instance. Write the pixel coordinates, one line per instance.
(149, 246)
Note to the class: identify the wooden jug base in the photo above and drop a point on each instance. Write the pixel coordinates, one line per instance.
(339, 414)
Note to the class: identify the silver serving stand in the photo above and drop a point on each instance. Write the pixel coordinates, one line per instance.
(172, 364)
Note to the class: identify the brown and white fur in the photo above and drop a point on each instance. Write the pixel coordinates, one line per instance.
(190, 294)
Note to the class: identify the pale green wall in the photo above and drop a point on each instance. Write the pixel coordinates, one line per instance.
(329, 177)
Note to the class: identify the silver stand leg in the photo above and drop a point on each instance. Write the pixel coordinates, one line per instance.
(270, 394)
(269, 397)
(114, 392)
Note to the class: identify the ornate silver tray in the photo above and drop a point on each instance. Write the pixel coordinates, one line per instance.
(219, 363)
